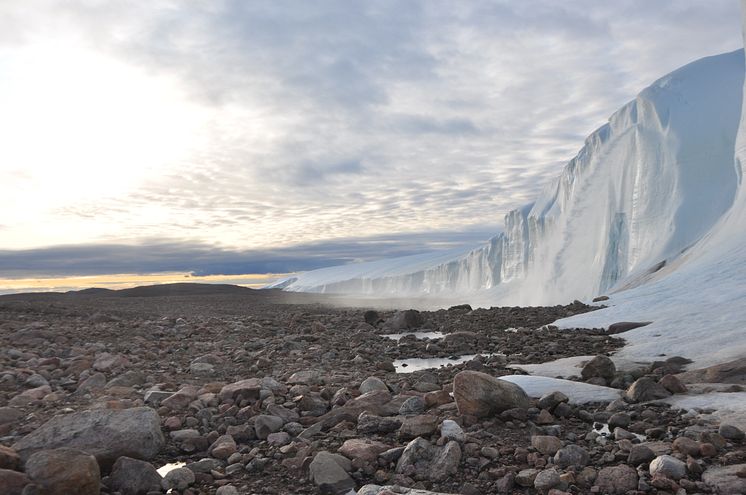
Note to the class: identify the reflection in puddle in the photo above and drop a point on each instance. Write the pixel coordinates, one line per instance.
(418, 364)
(163, 470)
(417, 335)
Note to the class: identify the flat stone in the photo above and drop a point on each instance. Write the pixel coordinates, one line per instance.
(418, 426)
(363, 449)
(248, 389)
(106, 434)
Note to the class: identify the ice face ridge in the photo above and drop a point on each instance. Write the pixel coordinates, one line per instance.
(644, 187)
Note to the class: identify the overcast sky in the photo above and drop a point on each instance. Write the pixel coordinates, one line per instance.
(284, 135)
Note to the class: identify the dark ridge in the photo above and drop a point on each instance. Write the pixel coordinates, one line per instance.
(162, 290)
(180, 289)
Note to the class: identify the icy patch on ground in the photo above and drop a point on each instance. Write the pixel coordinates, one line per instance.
(572, 366)
(578, 392)
(728, 407)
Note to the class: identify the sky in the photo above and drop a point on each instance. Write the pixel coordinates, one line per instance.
(252, 137)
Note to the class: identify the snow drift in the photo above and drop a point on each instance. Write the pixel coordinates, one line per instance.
(643, 190)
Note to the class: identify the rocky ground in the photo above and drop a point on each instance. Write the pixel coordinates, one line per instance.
(270, 393)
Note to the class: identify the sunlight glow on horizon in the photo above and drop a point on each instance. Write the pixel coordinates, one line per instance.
(125, 281)
(78, 126)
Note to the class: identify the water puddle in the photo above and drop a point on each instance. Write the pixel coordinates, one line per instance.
(417, 335)
(411, 365)
(163, 470)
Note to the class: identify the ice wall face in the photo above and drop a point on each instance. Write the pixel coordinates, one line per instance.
(643, 188)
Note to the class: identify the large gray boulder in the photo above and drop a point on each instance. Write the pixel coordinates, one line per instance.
(599, 367)
(106, 434)
(423, 460)
(328, 472)
(479, 394)
(134, 477)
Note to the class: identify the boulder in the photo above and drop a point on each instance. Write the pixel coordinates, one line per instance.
(450, 430)
(134, 477)
(405, 320)
(646, 389)
(617, 480)
(572, 455)
(223, 447)
(546, 480)
(329, 474)
(9, 458)
(430, 462)
(9, 415)
(726, 479)
(625, 326)
(104, 433)
(445, 461)
(481, 395)
(12, 482)
(178, 479)
(640, 454)
(668, 466)
(369, 423)
(547, 445)
(551, 400)
(673, 384)
(363, 449)
(418, 426)
(248, 389)
(730, 372)
(413, 405)
(181, 399)
(372, 383)
(731, 432)
(599, 367)
(64, 471)
(265, 424)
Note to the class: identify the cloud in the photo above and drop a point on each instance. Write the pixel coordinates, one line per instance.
(330, 120)
(159, 255)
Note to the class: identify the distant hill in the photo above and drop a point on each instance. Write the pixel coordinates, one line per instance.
(178, 289)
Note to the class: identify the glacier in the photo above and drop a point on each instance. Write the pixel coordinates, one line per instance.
(651, 212)
(644, 189)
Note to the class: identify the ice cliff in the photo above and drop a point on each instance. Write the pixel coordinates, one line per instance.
(654, 181)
